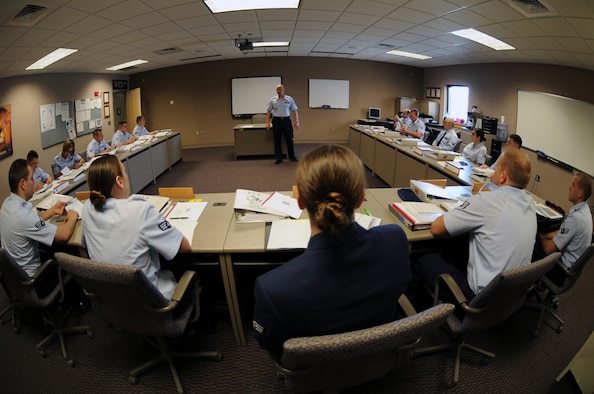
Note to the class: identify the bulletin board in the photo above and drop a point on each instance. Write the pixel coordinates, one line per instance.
(329, 93)
(56, 121)
(88, 115)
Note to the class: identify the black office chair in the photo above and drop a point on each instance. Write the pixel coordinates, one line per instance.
(21, 293)
(124, 297)
(457, 147)
(500, 299)
(552, 290)
(334, 362)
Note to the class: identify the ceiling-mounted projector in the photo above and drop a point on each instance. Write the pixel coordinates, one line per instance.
(245, 45)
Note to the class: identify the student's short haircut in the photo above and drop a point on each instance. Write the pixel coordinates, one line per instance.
(32, 155)
(138, 118)
(19, 169)
(416, 111)
(584, 183)
(121, 122)
(517, 139)
(517, 165)
(96, 132)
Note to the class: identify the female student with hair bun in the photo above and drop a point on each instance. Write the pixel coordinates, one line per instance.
(125, 230)
(348, 278)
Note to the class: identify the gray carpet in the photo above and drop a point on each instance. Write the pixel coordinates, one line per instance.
(522, 364)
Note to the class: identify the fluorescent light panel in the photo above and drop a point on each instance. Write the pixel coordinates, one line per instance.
(408, 54)
(218, 6)
(126, 65)
(51, 58)
(483, 39)
(271, 44)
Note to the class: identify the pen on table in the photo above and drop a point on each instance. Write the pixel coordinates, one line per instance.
(367, 212)
(179, 218)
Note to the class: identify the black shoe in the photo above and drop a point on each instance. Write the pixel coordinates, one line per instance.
(294, 159)
(278, 162)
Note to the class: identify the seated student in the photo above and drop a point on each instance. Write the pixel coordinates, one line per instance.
(129, 231)
(121, 136)
(501, 225)
(476, 151)
(402, 121)
(514, 141)
(22, 228)
(68, 158)
(97, 145)
(575, 234)
(40, 177)
(139, 129)
(416, 128)
(447, 139)
(348, 278)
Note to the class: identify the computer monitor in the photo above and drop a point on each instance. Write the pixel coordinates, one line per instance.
(374, 113)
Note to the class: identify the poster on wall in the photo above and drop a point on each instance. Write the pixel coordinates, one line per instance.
(5, 132)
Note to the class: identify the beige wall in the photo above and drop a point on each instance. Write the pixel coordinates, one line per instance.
(27, 94)
(201, 94)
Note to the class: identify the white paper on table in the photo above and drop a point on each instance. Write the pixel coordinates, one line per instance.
(186, 228)
(289, 234)
(285, 204)
(367, 221)
(52, 199)
(186, 211)
(75, 205)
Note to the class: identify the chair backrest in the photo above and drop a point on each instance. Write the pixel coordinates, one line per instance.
(123, 296)
(177, 192)
(505, 294)
(81, 196)
(573, 273)
(457, 147)
(333, 362)
(20, 287)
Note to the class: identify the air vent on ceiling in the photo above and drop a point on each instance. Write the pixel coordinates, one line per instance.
(28, 15)
(167, 51)
(198, 58)
(386, 46)
(532, 8)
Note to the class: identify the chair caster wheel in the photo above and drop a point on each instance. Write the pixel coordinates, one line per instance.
(133, 380)
(450, 384)
(559, 330)
(71, 362)
(42, 353)
(90, 334)
(486, 360)
(535, 334)
(219, 357)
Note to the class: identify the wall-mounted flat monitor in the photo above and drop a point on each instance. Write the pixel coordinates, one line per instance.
(374, 113)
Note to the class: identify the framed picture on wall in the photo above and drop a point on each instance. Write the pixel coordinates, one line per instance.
(5, 132)
(437, 92)
(106, 113)
(105, 97)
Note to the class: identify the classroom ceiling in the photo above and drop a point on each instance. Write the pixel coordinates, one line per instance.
(175, 32)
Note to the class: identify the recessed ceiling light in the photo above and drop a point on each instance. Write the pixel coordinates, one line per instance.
(126, 65)
(51, 58)
(408, 54)
(217, 6)
(483, 39)
(271, 44)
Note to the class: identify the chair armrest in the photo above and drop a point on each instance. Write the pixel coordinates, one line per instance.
(45, 266)
(406, 305)
(179, 293)
(452, 286)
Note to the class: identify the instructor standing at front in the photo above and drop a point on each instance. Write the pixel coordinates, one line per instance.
(280, 108)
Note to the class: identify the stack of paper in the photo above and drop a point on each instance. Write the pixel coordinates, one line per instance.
(52, 199)
(252, 206)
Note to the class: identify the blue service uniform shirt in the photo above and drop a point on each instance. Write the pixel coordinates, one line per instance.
(477, 154)
(69, 161)
(575, 234)
(39, 175)
(334, 286)
(132, 232)
(119, 137)
(447, 139)
(281, 107)
(94, 148)
(140, 131)
(21, 230)
(502, 227)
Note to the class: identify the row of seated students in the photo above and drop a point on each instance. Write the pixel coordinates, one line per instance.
(348, 277)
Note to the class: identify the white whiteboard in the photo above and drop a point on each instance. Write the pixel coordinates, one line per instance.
(251, 95)
(560, 127)
(329, 93)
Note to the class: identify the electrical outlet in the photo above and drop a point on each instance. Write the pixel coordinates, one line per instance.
(537, 178)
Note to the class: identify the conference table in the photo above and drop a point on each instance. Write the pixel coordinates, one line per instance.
(253, 140)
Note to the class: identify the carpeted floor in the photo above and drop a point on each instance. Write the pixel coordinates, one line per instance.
(522, 364)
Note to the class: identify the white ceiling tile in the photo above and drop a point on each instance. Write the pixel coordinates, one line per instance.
(585, 27)
(410, 16)
(434, 7)
(574, 44)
